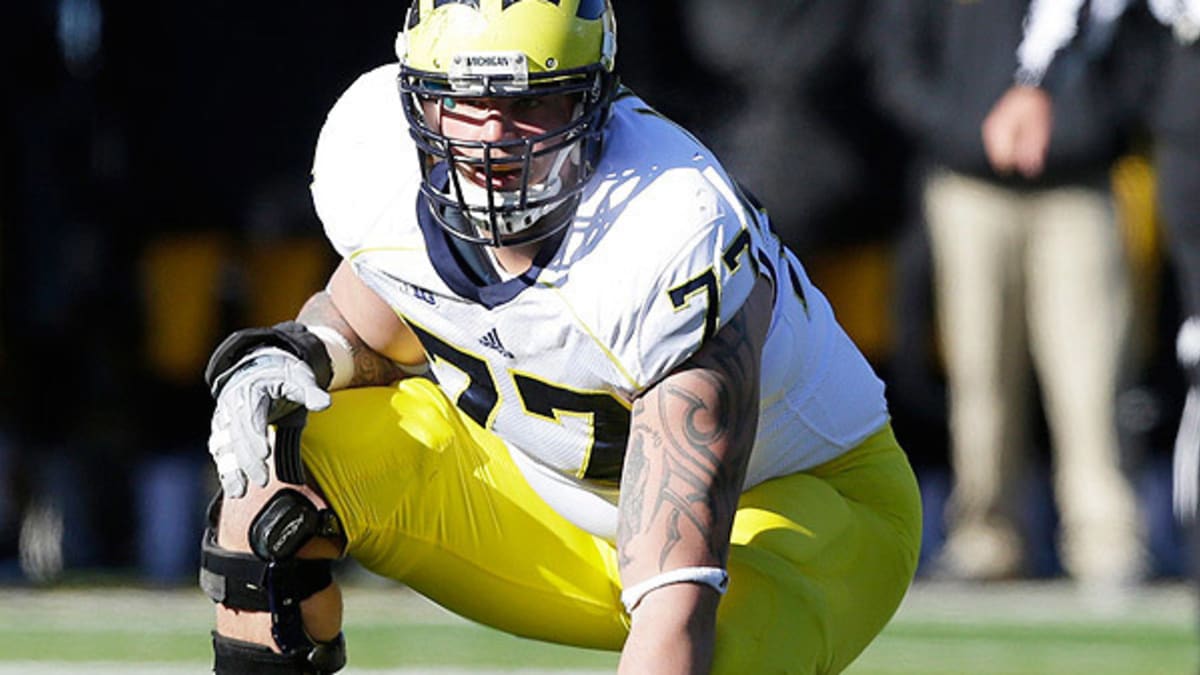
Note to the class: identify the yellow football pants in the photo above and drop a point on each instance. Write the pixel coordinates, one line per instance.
(819, 560)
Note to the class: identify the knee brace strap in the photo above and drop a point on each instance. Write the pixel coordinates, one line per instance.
(284, 524)
(243, 581)
(235, 657)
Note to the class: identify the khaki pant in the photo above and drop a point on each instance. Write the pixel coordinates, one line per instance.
(1038, 274)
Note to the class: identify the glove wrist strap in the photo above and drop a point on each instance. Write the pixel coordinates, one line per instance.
(292, 337)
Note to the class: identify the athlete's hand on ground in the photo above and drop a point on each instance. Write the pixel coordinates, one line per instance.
(261, 388)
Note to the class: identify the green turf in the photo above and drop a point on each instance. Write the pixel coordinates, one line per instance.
(102, 645)
(1034, 634)
(930, 648)
(1005, 649)
(370, 647)
(466, 646)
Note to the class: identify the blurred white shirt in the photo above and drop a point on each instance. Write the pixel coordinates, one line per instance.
(1051, 24)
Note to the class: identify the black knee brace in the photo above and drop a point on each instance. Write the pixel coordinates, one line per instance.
(273, 580)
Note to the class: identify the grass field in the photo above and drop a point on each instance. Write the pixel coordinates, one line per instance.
(1018, 629)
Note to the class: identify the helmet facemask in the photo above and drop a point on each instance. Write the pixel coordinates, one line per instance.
(491, 54)
(481, 210)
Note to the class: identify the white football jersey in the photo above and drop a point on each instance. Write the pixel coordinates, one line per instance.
(663, 251)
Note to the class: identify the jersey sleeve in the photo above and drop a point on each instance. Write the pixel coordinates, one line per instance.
(363, 158)
(701, 287)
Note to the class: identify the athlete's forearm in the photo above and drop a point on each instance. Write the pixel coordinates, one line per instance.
(690, 437)
(673, 634)
(366, 366)
(679, 491)
(690, 442)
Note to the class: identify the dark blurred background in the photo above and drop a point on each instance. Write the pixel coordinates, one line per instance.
(154, 162)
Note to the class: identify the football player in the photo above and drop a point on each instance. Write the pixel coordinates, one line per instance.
(565, 382)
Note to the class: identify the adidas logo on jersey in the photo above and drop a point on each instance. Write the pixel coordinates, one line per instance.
(491, 340)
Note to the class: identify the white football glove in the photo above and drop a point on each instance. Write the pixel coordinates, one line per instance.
(262, 387)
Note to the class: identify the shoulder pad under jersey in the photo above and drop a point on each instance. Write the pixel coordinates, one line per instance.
(364, 159)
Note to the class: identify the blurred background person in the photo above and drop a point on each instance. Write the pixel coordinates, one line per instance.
(1019, 129)
(1028, 270)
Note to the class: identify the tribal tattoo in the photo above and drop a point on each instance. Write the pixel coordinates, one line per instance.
(688, 450)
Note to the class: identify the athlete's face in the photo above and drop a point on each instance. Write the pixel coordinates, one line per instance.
(496, 120)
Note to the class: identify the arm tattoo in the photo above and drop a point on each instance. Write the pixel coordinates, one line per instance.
(633, 480)
(694, 434)
(370, 367)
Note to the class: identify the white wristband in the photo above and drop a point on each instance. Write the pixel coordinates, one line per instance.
(713, 577)
(341, 356)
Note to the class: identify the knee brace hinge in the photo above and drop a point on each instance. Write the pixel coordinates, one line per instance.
(243, 581)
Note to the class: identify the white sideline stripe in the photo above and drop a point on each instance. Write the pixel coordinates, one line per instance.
(74, 668)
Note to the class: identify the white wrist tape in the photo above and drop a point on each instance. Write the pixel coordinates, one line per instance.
(713, 577)
(341, 356)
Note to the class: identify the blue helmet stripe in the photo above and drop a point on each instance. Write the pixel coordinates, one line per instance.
(590, 9)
